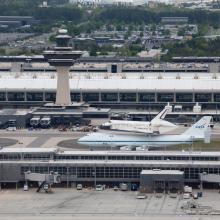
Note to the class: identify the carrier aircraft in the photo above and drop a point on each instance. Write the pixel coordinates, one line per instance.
(156, 126)
(198, 131)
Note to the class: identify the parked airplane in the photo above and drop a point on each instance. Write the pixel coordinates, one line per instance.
(156, 125)
(194, 133)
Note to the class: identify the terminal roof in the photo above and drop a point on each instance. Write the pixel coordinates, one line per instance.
(115, 163)
(161, 172)
(27, 150)
(115, 84)
(61, 152)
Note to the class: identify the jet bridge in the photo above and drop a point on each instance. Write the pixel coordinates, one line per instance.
(210, 178)
(44, 180)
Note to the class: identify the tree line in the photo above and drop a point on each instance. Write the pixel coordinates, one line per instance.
(127, 15)
(139, 15)
(196, 47)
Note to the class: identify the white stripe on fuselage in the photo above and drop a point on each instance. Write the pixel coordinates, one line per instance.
(101, 139)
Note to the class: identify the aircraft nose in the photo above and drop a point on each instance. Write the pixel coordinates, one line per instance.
(106, 124)
(81, 140)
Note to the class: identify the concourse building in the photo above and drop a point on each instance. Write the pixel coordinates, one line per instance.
(123, 84)
(170, 169)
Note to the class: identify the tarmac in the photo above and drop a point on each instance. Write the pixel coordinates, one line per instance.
(64, 139)
(90, 204)
(69, 203)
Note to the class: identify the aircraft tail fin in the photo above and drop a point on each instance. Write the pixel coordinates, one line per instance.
(198, 130)
(161, 115)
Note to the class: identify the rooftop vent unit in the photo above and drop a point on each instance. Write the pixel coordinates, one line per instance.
(214, 76)
(88, 77)
(196, 77)
(123, 77)
(160, 77)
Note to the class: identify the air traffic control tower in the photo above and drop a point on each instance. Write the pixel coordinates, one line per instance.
(62, 57)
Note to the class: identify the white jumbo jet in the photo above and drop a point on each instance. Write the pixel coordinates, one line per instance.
(156, 126)
(194, 133)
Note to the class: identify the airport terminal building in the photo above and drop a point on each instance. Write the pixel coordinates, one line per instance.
(135, 86)
(109, 167)
(116, 83)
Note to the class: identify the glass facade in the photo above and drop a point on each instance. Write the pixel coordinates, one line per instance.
(146, 97)
(2, 96)
(90, 97)
(16, 96)
(50, 96)
(109, 97)
(203, 97)
(165, 97)
(216, 97)
(41, 156)
(128, 97)
(75, 97)
(113, 97)
(184, 97)
(107, 172)
(34, 96)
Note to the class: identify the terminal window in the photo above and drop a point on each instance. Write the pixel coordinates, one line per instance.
(109, 97)
(16, 96)
(165, 97)
(217, 97)
(127, 97)
(89, 97)
(34, 96)
(2, 96)
(50, 96)
(75, 97)
(146, 97)
(114, 68)
(203, 97)
(184, 97)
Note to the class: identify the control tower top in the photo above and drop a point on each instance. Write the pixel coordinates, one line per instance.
(62, 39)
(62, 54)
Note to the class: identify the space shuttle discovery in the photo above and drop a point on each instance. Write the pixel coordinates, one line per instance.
(192, 134)
(156, 126)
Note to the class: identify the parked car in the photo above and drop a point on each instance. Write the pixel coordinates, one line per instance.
(79, 187)
(123, 187)
(115, 188)
(25, 188)
(99, 187)
(186, 196)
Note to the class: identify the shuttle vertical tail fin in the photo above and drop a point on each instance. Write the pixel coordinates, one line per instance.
(161, 115)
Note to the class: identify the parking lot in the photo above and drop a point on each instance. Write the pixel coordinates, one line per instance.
(89, 203)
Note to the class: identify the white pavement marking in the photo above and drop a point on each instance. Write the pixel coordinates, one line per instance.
(53, 141)
(22, 141)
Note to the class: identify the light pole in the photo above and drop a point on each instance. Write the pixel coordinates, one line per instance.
(201, 180)
(94, 174)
